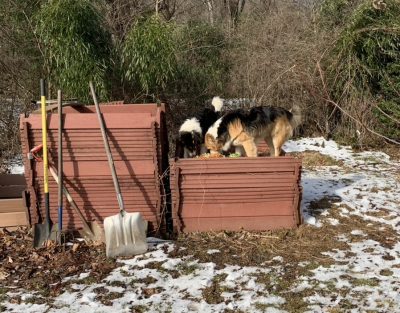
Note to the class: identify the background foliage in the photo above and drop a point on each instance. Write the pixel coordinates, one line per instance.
(334, 58)
(148, 54)
(77, 46)
(363, 66)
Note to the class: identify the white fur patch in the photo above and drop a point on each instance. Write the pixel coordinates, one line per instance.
(190, 125)
(217, 103)
(213, 130)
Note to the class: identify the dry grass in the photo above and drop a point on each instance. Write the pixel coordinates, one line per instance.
(312, 159)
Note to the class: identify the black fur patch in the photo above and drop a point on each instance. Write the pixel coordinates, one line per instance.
(229, 118)
(207, 118)
(191, 141)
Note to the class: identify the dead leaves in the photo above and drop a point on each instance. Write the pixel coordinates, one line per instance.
(3, 275)
(23, 266)
(75, 247)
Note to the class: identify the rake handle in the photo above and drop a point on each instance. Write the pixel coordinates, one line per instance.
(60, 161)
(108, 150)
(45, 160)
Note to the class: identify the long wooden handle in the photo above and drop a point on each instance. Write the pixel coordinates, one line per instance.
(44, 142)
(72, 202)
(60, 160)
(108, 151)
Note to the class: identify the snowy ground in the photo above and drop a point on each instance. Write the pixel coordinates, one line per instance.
(358, 200)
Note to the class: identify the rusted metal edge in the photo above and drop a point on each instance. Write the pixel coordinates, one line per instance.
(174, 168)
(297, 198)
(156, 176)
(29, 176)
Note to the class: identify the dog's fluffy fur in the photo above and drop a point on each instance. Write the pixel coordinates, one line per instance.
(191, 133)
(238, 128)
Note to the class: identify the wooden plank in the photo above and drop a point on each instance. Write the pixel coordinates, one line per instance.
(13, 219)
(10, 192)
(11, 205)
(12, 179)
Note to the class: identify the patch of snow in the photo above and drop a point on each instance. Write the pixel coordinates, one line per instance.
(332, 221)
(357, 232)
(17, 169)
(213, 251)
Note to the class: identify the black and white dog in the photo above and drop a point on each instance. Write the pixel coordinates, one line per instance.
(190, 142)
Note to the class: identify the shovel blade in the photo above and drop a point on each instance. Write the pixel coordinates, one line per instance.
(125, 234)
(43, 233)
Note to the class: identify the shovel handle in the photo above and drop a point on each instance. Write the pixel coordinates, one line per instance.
(108, 151)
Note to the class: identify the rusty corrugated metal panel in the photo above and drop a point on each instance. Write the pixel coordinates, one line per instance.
(135, 142)
(232, 193)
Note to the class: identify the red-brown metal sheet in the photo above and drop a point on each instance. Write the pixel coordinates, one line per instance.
(134, 137)
(243, 208)
(90, 121)
(232, 193)
(101, 168)
(260, 223)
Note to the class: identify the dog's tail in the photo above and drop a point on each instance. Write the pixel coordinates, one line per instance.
(217, 103)
(296, 116)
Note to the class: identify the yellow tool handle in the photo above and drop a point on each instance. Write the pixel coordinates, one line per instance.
(44, 137)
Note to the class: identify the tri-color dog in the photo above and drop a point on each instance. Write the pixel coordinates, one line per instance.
(192, 131)
(243, 128)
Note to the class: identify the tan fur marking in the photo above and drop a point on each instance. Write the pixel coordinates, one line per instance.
(235, 128)
(212, 144)
(282, 131)
(250, 147)
(240, 137)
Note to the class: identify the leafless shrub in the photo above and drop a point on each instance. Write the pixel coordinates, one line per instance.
(274, 57)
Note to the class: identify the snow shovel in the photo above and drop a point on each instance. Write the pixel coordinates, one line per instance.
(91, 230)
(125, 233)
(45, 231)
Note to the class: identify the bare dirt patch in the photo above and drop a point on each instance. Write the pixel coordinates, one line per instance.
(105, 296)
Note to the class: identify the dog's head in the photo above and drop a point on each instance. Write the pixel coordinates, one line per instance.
(213, 144)
(191, 141)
